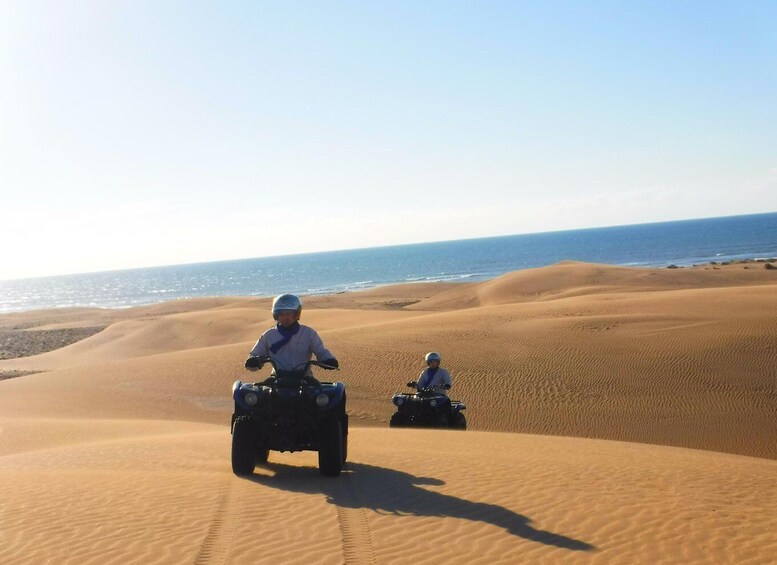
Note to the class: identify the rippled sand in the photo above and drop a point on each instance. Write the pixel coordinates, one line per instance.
(117, 447)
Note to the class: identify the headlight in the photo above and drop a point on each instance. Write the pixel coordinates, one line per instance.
(322, 399)
(251, 398)
(398, 400)
(433, 402)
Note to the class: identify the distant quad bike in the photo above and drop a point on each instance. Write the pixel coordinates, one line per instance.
(289, 412)
(427, 407)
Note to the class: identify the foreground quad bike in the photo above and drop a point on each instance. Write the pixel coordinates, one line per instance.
(427, 407)
(289, 412)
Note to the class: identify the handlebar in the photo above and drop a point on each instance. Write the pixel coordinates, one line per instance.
(304, 366)
(414, 384)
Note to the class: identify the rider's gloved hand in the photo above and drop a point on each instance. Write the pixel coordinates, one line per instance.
(254, 363)
(332, 363)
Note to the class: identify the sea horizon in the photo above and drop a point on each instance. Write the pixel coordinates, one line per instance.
(654, 244)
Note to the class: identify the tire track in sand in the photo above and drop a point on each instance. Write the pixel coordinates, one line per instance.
(354, 527)
(218, 541)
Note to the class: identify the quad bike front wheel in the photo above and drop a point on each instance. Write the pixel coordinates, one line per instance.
(344, 425)
(459, 422)
(243, 447)
(261, 455)
(397, 420)
(330, 447)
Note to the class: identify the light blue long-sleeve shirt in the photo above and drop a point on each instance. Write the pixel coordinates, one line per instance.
(441, 377)
(300, 349)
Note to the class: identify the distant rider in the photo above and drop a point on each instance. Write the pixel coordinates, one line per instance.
(289, 344)
(434, 376)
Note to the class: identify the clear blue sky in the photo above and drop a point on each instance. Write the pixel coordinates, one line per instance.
(149, 133)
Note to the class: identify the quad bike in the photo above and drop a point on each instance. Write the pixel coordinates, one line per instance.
(289, 412)
(427, 407)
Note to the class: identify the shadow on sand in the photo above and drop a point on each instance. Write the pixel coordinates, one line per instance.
(395, 492)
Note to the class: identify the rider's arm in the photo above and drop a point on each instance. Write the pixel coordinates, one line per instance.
(262, 347)
(317, 346)
(446, 378)
(421, 382)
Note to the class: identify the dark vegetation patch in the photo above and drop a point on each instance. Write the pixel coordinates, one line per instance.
(5, 375)
(18, 342)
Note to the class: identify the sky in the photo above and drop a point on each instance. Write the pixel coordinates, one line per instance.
(138, 134)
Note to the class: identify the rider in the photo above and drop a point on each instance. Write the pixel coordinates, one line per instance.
(434, 376)
(289, 344)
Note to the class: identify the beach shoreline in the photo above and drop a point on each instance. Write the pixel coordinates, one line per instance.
(682, 243)
(20, 338)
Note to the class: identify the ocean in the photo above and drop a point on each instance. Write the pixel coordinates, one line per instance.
(680, 243)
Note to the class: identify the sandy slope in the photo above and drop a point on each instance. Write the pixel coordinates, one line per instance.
(162, 492)
(118, 449)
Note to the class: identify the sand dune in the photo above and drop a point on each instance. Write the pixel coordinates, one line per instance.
(571, 278)
(117, 447)
(162, 492)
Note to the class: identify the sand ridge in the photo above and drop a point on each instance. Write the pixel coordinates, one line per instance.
(117, 447)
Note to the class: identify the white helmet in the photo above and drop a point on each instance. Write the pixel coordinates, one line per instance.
(287, 303)
(432, 356)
